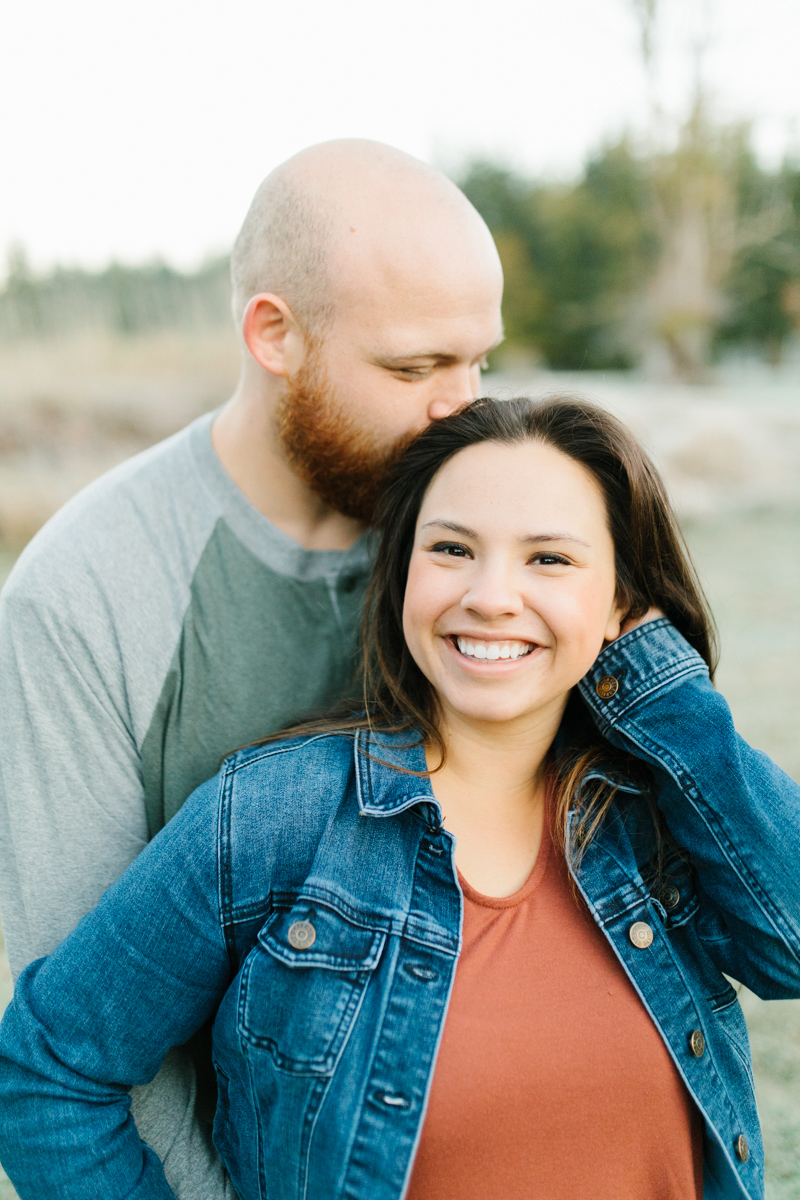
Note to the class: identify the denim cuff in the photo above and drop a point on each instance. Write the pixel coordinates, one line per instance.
(648, 659)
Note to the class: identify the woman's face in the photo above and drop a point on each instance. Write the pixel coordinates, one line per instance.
(511, 583)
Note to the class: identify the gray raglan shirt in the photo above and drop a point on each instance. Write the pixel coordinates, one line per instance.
(156, 622)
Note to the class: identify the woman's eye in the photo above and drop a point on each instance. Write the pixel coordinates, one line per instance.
(452, 549)
(544, 559)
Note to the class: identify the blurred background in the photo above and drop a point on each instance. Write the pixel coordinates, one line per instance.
(638, 162)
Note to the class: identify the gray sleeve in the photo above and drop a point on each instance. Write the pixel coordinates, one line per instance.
(71, 800)
(72, 818)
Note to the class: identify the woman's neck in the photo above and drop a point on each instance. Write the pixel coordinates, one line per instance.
(491, 791)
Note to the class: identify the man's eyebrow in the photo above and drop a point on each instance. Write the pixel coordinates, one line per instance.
(397, 360)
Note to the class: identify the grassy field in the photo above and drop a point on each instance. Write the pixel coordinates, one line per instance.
(732, 460)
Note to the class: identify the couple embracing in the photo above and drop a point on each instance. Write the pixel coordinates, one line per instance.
(458, 920)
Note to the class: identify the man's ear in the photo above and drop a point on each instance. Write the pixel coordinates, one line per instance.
(270, 330)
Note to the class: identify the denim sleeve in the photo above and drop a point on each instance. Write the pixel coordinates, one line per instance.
(141, 972)
(728, 805)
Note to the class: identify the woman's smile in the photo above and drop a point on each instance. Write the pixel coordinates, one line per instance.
(491, 650)
(485, 656)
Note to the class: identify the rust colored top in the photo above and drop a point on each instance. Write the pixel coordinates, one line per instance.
(552, 1082)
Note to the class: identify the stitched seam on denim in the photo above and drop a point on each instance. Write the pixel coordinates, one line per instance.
(635, 635)
(363, 779)
(321, 1085)
(657, 682)
(637, 881)
(748, 1066)
(256, 1110)
(689, 787)
(224, 871)
(375, 923)
(232, 765)
(439, 946)
(258, 908)
(622, 912)
(610, 716)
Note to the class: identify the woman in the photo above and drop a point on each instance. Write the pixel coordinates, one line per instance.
(470, 943)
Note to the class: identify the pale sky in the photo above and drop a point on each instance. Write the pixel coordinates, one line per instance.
(135, 130)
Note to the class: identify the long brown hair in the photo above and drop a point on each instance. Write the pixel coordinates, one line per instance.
(653, 569)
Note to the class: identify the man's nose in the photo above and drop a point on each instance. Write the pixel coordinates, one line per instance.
(458, 386)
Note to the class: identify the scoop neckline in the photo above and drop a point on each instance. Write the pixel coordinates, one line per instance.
(529, 886)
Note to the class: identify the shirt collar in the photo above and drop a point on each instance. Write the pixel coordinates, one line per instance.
(382, 763)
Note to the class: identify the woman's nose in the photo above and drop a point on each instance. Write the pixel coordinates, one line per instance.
(493, 594)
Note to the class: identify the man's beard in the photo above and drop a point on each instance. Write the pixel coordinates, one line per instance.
(343, 464)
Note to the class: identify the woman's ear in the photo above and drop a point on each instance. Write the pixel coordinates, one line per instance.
(614, 626)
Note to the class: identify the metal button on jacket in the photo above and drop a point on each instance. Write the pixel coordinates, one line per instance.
(607, 687)
(697, 1043)
(302, 934)
(742, 1148)
(669, 896)
(640, 934)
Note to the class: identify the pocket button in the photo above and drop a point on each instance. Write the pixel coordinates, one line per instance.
(302, 935)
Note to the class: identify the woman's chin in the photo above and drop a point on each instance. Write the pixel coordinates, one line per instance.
(499, 713)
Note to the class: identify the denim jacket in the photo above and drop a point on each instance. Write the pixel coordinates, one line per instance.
(307, 895)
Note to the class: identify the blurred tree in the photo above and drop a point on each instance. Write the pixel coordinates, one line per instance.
(24, 299)
(762, 286)
(572, 256)
(120, 299)
(686, 251)
(694, 197)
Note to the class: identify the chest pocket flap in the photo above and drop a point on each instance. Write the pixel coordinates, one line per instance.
(303, 984)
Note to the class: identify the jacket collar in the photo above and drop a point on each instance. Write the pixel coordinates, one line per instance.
(382, 761)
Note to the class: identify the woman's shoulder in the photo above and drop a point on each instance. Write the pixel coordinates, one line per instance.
(290, 774)
(294, 752)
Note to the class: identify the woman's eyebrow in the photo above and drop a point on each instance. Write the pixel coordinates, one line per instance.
(453, 527)
(464, 531)
(555, 537)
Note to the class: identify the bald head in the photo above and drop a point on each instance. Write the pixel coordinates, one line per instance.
(351, 214)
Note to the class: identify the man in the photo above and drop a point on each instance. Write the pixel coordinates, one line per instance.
(208, 592)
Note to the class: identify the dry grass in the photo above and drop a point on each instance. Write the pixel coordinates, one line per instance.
(70, 410)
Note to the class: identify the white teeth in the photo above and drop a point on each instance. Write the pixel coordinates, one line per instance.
(491, 651)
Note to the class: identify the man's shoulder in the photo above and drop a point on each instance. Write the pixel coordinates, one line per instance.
(148, 517)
